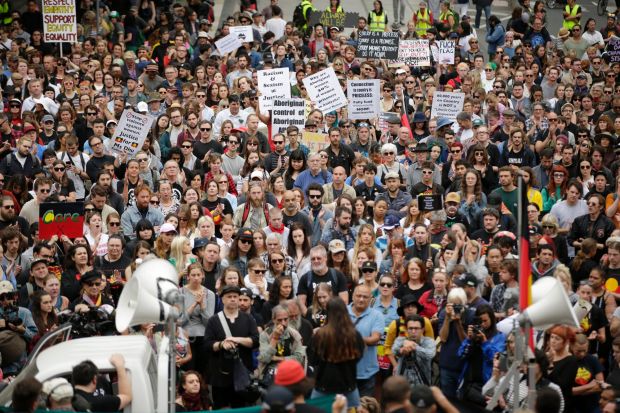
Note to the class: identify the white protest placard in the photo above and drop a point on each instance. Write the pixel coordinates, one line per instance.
(288, 112)
(324, 89)
(59, 21)
(363, 98)
(245, 33)
(228, 44)
(131, 132)
(444, 52)
(447, 104)
(414, 52)
(272, 84)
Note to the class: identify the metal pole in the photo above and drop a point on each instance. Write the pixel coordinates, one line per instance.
(520, 340)
(172, 363)
(531, 379)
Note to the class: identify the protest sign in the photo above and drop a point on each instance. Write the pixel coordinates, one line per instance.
(314, 141)
(444, 52)
(414, 52)
(59, 22)
(324, 89)
(383, 120)
(61, 218)
(430, 202)
(228, 44)
(613, 50)
(378, 45)
(288, 112)
(245, 33)
(131, 131)
(447, 104)
(341, 19)
(363, 98)
(272, 84)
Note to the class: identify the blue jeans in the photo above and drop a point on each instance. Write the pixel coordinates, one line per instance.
(366, 387)
(487, 14)
(353, 397)
(449, 382)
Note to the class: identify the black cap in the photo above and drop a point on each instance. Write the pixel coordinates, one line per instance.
(199, 243)
(245, 233)
(406, 301)
(247, 292)
(422, 397)
(230, 289)
(90, 276)
(369, 265)
(278, 399)
(467, 280)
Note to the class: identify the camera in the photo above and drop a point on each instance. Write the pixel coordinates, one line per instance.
(95, 322)
(458, 308)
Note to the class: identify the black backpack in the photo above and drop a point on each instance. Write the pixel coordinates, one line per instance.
(298, 16)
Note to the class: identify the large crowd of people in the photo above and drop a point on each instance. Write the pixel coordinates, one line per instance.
(317, 268)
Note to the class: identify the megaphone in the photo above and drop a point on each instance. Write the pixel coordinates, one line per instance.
(148, 296)
(550, 305)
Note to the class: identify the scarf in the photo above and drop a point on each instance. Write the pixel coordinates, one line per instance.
(90, 302)
(192, 402)
(278, 231)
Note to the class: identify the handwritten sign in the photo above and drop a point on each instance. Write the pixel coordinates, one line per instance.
(59, 21)
(613, 50)
(61, 218)
(414, 52)
(443, 53)
(314, 141)
(447, 104)
(324, 89)
(245, 33)
(272, 84)
(228, 44)
(363, 98)
(287, 112)
(131, 131)
(328, 19)
(378, 45)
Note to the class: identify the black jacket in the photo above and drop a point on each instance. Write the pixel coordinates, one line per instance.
(600, 231)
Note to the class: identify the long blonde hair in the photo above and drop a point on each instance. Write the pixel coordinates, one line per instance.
(176, 253)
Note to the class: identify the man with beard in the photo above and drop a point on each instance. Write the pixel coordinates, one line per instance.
(490, 221)
(141, 210)
(9, 218)
(30, 210)
(595, 224)
(292, 213)
(170, 138)
(315, 212)
(95, 164)
(397, 199)
(341, 229)
(451, 206)
(208, 252)
(114, 199)
(320, 273)
(36, 282)
(254, 213)
(297, 322)
(246, 305)
(20, 162)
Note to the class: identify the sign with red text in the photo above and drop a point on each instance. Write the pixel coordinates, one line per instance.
(61, 218)
(59, 21)
(325, 90)
(415, 52)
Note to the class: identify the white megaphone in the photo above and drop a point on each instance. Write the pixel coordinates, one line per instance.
(148, 296)
(550, 305)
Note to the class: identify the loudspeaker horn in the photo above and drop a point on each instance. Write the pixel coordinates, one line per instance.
(550, 305)
(146, 297)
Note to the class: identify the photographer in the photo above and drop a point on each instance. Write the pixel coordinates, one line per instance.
(453, 319)
(415, 352)
(17, 328)
(478, 351)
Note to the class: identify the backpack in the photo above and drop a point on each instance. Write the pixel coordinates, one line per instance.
(299, 20)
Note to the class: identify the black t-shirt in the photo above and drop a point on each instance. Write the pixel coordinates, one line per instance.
(301, 218)
(212, 205)
(201, 148)
(104, 403)
(333, 277)
(587, 369)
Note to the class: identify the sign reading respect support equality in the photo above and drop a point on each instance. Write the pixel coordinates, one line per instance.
(273, 84)
(59, 21)
(378, 45)
(447, 104)
(363, 98)
(131, 132)
(325, 90)
(288, 112)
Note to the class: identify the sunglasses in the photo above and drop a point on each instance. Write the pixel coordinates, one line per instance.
(252, 144)
(232, 142)
(205, 129)
(186, 146)
(89, 209)
(278, 142)
(585, 167)
(59, 169)
(314, 196)
(142, 159)
(548, 227)
(277, 261)
(45, 191)
(259, 271)
(114, 224)
(456, 151)
(245, 241)
(91, 113)
(154, 202)
(389, 153)
(9, 207)
(387, 285)
(367, 270)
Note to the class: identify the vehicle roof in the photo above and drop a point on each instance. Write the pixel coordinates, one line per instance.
(62, 357)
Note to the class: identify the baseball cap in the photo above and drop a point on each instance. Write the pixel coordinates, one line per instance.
(278, 399)
(203, 34)
(391, 222)
(230, 289)
(199, 243)
(142, 107)
(58, 389)
(400, 71)
(391, 175)
(6, 287)
(256, 175)
(336, 245)
(167, 227)
(245, 233)
(453, 197)
(47, 118)
(247, 292)
(289, 372)
(110, 122)
(369, 265)
(467, 280)
(422, 397)
(29, 128)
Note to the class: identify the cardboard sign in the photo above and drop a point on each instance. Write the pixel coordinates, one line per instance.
(131, 132)
(363, 98)
(59, 21)
(61, 218)
(287, 112)
(245, 33)
(430, 202)
(327, 19)
(314, 141)
(272, 84)
(447, 104)
(613, 50)
(378, 45)
(414, 52)
(324, 89)
(444, 52)
(228, 44)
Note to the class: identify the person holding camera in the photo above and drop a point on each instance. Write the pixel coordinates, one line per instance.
(415, 352)
(478, 351)
(17, 328)
(454, 320)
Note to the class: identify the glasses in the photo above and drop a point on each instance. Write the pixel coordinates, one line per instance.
(44, 191)
(278, 142)
(592, 203)
(89, 209)
(558, 175)
(314, 196)
(15, 106)
(488, 69)
(386, 285)
(277, 261)
(154, 202)
(456, 151)
(201, 96)
(245, 241)
(473, 42)
(142, 159)
(419, 97)
(9, 207)
(205, 129)
(252, 144)
(388, 153)
(609, 92)
(427, 172)
(59, 169)
(91, 113)
(611, 75)
(585, 167)
(548, 227)
(186, 146)
(409, 81)
(365, 270)
(114, 224)
(259, 271)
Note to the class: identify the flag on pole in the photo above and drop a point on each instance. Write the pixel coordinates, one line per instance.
(525, 268)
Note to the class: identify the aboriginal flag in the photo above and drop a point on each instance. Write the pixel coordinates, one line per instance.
(525, 270)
